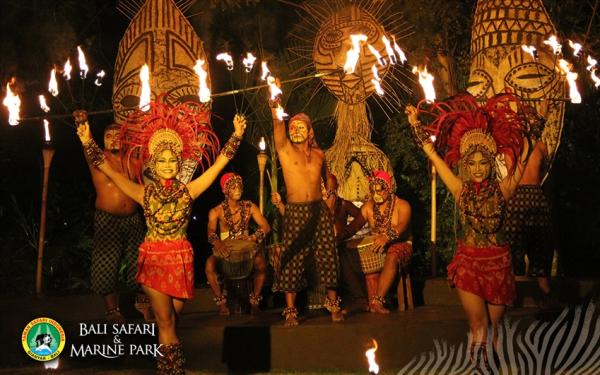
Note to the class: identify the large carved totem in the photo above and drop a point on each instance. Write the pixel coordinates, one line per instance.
(500, 28)
(159, 35)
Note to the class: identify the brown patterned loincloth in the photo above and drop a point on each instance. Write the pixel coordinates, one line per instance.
(307, 235)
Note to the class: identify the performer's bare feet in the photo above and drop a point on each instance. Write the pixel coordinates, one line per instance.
(376, 305)
(221, 302)
(337, 317)
(291, 317)
(255, 303)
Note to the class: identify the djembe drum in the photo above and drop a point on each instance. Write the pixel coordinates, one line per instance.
(236, 269)
(371, 263)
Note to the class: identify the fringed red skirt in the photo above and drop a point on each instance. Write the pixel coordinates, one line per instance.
(167, 266)
(484, 271)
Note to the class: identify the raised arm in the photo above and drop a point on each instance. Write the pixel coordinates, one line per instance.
(201, 183)
(509, 184)
(95, 157)
(452, 182)
(263, 224)
(279, 133)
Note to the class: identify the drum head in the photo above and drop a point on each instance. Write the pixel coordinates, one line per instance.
(357, 243)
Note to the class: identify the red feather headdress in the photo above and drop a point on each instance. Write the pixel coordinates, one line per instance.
(184, 128)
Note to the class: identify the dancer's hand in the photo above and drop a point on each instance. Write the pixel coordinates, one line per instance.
(239, 124)
(412, 114)
(83, 132)
(221, 250)
(379, 243)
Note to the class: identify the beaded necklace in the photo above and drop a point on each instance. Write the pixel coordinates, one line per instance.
(167, 208)
(236, 228)
(384, 221)
(482, 210)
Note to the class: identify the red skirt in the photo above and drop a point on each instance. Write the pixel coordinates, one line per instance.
(167, 266)
(484, 271)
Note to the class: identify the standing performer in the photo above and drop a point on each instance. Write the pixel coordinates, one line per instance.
(118, 231)
(233, 216)
(164, 137)
(308, 231)
(472, 137)
(389, 219)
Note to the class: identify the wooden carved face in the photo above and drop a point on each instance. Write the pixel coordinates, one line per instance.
(333, 42)
(160, 36)
(499, 30)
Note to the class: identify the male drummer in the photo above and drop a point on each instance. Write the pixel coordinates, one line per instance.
(389, 218)
(232, 217)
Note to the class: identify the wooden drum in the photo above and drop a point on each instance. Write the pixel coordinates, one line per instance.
(240, 262)
(370, 262)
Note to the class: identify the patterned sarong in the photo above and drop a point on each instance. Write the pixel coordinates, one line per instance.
(307, 236)
(484, 271)
(528, 230)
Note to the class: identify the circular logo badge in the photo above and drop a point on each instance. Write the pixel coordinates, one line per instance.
(43, 339)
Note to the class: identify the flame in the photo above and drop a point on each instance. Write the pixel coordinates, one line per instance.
(273, 87)
(376, 53)
(370, 354)
(53, 84)
(433, 138)
(571, 78)
(426, 81)
(46, 130)
(248, 62)
(553, 42)
(43, 104)
(13, 103)
(376, 81)
(53, 364)
(67, 70)
(226, 57)
(280, 112)
(530, 50)
(576, 47)
(595, 78)
(204, 91)
(265, 70)
(99, 76)
(399, 51)
(353, 53)
(592, 63)
(262, 145)
(83, 67)
(145, 95)
(389, 50)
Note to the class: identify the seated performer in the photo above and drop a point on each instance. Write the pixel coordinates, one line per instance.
(389, 218)
(232, 217)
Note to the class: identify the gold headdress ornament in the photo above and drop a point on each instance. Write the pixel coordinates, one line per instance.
(477, 138)
(164, 137)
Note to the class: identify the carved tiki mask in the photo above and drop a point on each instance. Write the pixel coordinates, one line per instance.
(160, 36)
(333, 42)
(500, 28)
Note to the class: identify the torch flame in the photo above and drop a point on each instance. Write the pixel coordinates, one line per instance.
(262, 145)
(53, 84)
(353, 53)
(204, 91)
(43, 104)
(145, 95)
(280, 112)
(530, 50)
(226, 57)
(99, 76)
(389, 50)
(592, 63)
(426, 82)
(376, 53)
(370, 354)
(553, 42)
(248, 62)
(83, 67)
(376, 81)
(571, 78)
(265, 70)
(399, 51)
(67, 70)
(273, 87)
(595, 78)
(576, 47)
(13, 103)
(46, 130)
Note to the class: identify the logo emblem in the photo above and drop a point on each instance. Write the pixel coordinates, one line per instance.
(43, 339)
